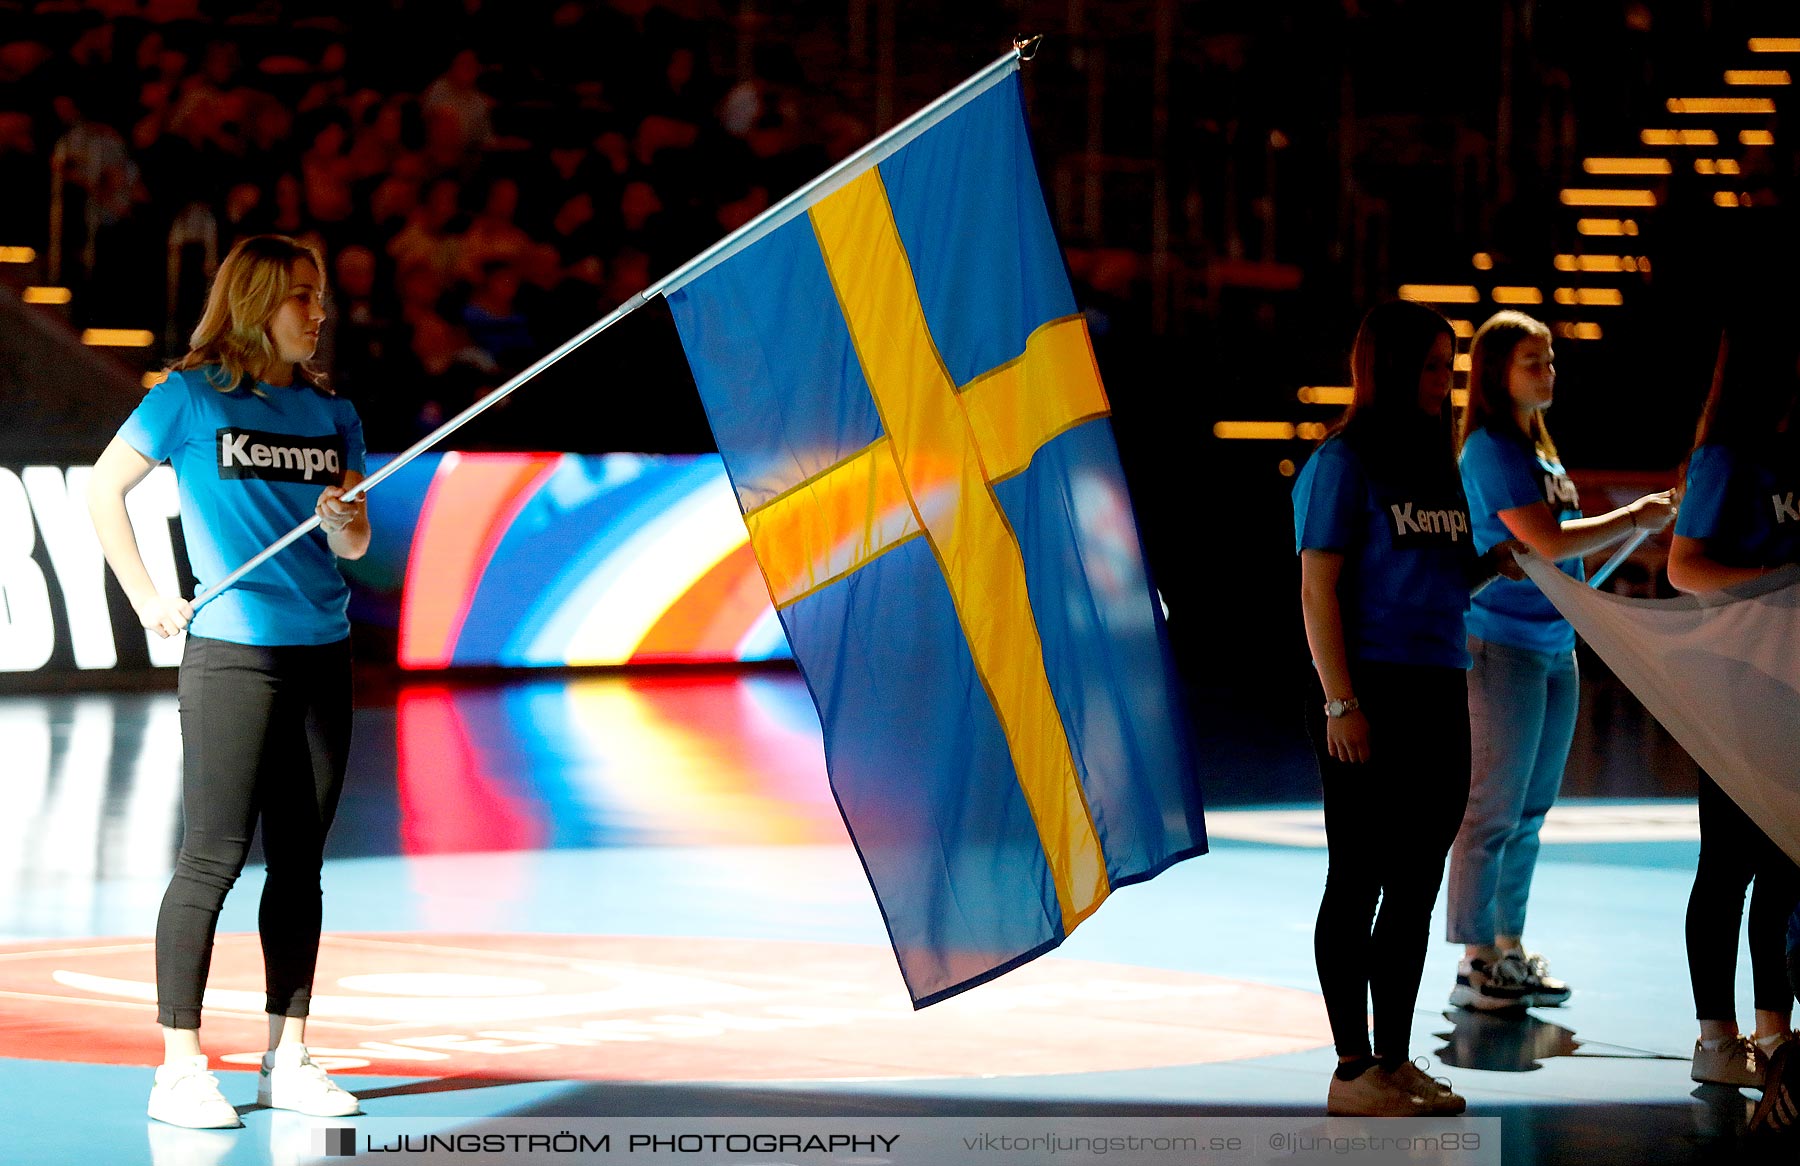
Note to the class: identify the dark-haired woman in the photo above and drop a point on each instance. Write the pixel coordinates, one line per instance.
(1523, 686)
(1738, 523)
(1386, 568)
(258, 444)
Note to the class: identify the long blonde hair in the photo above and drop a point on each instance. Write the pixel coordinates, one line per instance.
(1490, 393)
(233, 332)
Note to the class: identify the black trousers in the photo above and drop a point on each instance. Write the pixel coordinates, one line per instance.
(1389, 823)
(265, 734)
(1734, 852)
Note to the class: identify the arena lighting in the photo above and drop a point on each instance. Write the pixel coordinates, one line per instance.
(1716, 166)
(1517, 295)
(17, 255)
(1253, 430)
(46, 295)
(1756, 137)
(1310, 431)
(1463, 363)
(1775, 44)
(1285, 467)
(1626, 165)
(1440, 293)
(1721, 105)
(1606, 226)
(1603, 297)
(1679, 138)
(1463, 328)
(1326, 394)
(1588, 197)
(1602, 263)
(154, 377)
(1757, 77)
(1731, 198)
(118, 337)
(1580, 331)
(1459, 398)
(1483, 261)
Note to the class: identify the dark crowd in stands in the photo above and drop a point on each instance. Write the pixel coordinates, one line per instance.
(484, 179)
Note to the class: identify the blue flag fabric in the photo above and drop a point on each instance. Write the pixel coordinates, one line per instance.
(907, 403)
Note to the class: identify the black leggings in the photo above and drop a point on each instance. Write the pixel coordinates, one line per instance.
(1733, 852)
(1389, 823)
(265, 732)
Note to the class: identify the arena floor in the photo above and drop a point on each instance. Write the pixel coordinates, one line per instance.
(623, 896)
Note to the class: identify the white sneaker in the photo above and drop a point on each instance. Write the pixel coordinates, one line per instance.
(289, 1080)
(185, 1094)
(1738, 1062)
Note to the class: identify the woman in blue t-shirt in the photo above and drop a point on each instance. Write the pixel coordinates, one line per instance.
(1386, 568)
(258, 444)
(1740, 519)
(1523, 686)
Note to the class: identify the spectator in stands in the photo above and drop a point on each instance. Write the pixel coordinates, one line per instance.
(432, 236)
(549, 301)
(457, 95)
(290, 212)
(635, 136)
(379, 142)
(98, 185)
(493, 323)
(395, 199)
(362, 343)
(247, 213)
(330, 88)
(325, 174)
(493, 237)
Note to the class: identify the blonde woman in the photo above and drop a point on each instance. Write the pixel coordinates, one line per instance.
(258, 443)
(1523, 685)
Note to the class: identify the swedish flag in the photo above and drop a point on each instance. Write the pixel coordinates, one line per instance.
(907, 402)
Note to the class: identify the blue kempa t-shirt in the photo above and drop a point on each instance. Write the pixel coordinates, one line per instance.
(1500, 473)
(250, 467)
(1744, 506)
(1403, 589)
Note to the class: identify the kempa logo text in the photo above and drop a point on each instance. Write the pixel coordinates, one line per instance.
(246, 453)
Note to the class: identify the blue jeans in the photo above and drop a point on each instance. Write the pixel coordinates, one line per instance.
(1521, 719)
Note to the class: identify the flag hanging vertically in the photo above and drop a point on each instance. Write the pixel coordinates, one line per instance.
(907, 403)
(1721, 671)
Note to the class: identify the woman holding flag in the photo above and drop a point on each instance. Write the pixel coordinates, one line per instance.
(1739, 521)
(258, 444)
(1523, 686)
(1386, 568)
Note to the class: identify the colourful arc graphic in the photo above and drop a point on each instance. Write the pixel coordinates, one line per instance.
(549, 559)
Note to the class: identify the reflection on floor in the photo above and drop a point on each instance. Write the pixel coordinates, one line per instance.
(632, 895)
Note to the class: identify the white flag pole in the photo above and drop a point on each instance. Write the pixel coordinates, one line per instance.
(776, 216)
(1619, 556)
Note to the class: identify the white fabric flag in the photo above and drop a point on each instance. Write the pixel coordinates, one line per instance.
(1721, 672)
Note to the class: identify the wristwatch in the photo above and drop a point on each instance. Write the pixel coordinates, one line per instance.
(1341, 708)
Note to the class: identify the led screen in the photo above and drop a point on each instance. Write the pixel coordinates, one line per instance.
(479, 559)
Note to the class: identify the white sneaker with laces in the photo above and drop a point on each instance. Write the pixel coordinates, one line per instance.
(1439, 1098)
(290, 1080)
(1533, 970)
(185, 1094)
(1489, 987)
(1738, 1062)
